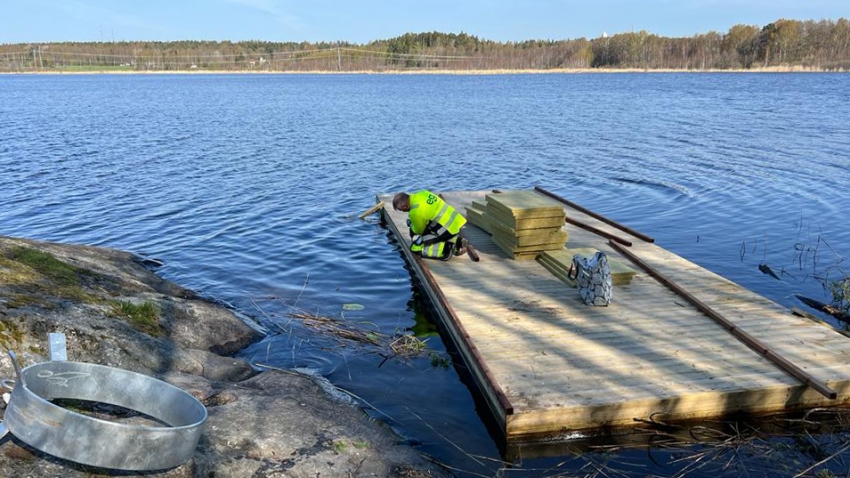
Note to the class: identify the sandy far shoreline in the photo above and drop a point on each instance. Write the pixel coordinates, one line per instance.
(778, 69)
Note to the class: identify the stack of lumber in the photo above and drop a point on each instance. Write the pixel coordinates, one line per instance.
(558, 263)
(522, 223)
(477, 214)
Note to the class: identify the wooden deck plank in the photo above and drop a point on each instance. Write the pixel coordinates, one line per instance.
(564, 365)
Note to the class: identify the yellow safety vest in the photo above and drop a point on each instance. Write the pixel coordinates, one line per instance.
(428, 212)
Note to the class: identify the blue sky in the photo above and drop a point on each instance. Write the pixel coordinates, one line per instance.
(366, 20)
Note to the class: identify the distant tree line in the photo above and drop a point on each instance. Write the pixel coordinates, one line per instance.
(817, 45)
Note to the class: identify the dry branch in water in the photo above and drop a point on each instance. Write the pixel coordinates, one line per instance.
(401, 345)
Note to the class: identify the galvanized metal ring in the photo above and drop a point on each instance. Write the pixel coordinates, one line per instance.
(32, 418)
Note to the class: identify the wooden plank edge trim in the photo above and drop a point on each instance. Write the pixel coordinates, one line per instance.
(741, 335)
(497, 389)
(596, 215)
(802, 313)
(504, 402)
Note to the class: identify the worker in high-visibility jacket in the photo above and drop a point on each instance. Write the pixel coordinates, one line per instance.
(435, 226)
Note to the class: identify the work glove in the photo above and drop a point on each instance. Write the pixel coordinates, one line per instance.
(416, 239)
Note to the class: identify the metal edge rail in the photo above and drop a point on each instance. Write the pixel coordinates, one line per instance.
(741, 335)
(463, 334)
(596, 215)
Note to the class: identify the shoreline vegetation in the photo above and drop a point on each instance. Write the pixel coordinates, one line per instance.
(562, 71)
(781, 46)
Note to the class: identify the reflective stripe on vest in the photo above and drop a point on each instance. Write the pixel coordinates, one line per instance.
(447, 218)
(434, 251)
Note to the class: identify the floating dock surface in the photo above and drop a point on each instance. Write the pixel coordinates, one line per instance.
(546, 363)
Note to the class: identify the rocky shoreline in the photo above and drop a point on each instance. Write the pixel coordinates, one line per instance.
(115, 311)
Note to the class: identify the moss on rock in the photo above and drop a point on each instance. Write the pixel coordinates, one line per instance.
(143, 317)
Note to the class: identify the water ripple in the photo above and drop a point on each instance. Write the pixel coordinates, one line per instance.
(249, 187)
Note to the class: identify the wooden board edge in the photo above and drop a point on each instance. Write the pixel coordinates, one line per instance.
(496, 399)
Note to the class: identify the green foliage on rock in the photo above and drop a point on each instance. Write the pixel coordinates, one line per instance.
(37, 278)
(144, 316)
(11, 336)
(47, 265)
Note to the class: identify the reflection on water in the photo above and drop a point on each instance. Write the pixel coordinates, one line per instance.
(248, 188)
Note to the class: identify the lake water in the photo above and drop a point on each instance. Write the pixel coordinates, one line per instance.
(249, 188)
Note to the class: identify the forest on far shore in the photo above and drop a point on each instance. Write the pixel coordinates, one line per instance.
(822, 45)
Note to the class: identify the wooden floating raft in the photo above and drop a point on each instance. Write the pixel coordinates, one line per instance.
(678, 341)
